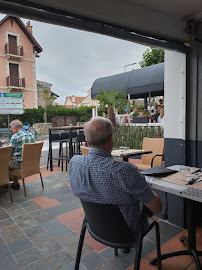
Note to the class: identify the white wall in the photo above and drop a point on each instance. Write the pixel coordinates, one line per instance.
(174, 95)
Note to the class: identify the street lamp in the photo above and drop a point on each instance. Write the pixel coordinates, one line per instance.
(128, 66)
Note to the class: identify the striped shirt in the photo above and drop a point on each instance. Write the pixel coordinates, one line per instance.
(17, 141)
(97, 177)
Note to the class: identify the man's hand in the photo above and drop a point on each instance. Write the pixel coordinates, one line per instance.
(155, 205)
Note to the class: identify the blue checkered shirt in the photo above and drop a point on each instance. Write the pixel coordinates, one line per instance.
(17, 141)
(97, 177)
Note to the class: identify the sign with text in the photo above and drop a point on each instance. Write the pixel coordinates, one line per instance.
(11, 111)
(12, 95)
(11, 100)
(11, 106)
(11, 103)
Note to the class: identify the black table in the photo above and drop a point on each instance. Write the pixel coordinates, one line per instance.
(192, 195)
(65, 128)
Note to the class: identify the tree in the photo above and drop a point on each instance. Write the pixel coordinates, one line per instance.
(113, 100)
(152, 56)
(48, 100)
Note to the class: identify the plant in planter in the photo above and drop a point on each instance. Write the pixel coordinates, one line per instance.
(141, 116)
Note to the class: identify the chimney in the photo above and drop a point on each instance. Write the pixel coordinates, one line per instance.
(73, 98)
(29, 27)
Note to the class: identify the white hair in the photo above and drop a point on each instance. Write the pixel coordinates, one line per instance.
(98, 130)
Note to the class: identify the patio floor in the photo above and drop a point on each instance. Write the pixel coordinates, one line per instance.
(41, 232)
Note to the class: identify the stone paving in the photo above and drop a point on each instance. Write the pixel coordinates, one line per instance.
(41, 232)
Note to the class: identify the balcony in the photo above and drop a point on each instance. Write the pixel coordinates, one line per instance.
(15, 82)
(13, 51)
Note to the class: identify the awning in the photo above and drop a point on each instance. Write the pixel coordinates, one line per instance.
(138, 83)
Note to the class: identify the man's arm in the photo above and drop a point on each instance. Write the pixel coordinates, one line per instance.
(155, 205)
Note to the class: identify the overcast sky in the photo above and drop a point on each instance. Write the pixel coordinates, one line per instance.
(72, 60)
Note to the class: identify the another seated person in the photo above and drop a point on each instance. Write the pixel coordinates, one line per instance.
(156, 115)
(97, 177)
(20, 136)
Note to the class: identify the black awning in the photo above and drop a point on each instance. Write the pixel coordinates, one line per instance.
(138, 83)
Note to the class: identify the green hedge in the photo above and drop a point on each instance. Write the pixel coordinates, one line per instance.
(133, 136)
(32, 116)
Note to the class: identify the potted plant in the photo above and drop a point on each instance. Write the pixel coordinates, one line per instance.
(141, 117)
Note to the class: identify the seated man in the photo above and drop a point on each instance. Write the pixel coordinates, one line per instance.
(97, 177)
(19, 137)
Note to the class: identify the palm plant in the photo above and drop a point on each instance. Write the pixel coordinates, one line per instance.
(113, 99)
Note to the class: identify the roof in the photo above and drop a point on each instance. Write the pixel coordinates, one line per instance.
(167, 25)
(138, 83)
(77, 99)
(25, 30)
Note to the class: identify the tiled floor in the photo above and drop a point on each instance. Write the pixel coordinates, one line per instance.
(41, 232)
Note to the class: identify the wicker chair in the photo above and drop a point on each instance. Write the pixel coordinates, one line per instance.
(30, 163)
(84, 150)
(156, 145)
(4, 167)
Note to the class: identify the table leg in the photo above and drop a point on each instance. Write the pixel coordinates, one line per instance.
(51, 151)
(70, 144)
(125, 158)
(191, 240)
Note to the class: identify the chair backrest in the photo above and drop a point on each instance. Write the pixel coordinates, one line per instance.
(84, 150)
(31, 154)
(107, 223)
(81, 138)
(156, 145)
(64, 135)
(55, 137)
(5, 153)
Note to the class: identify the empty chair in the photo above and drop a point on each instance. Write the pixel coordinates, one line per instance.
(55, 137)
(106, 225)
(30, 162)
(64, 138)
(5, 153)
(156, 145)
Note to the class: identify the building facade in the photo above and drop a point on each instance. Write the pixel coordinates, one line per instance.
(18, 52)
(45, 95)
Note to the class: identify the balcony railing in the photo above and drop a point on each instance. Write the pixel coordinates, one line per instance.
(14, 50)
(15, 82)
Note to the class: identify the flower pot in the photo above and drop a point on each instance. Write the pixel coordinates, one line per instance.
(141, 120)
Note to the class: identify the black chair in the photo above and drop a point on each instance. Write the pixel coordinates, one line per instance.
(55, 137)
(64, 138)
(106, 224)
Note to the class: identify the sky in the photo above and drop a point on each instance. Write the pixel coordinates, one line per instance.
(72, 60)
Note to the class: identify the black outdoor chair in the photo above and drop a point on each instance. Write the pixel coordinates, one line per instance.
(55, 137)
(64, 138)
(106, 225)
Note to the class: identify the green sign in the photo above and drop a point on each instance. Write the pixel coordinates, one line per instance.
(12, 95)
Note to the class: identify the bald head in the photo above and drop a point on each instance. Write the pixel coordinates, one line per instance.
(98, 131)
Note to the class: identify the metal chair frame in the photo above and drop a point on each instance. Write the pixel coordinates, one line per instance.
(115, 215)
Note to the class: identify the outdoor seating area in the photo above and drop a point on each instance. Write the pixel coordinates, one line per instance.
(41, 231)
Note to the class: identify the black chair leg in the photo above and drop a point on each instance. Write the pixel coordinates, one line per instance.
(59, 154)
(48, 158)
(116, 251)
(80, 246)
(158, 245)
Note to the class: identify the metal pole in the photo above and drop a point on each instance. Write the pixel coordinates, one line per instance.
(9, 127)
(129, 110)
